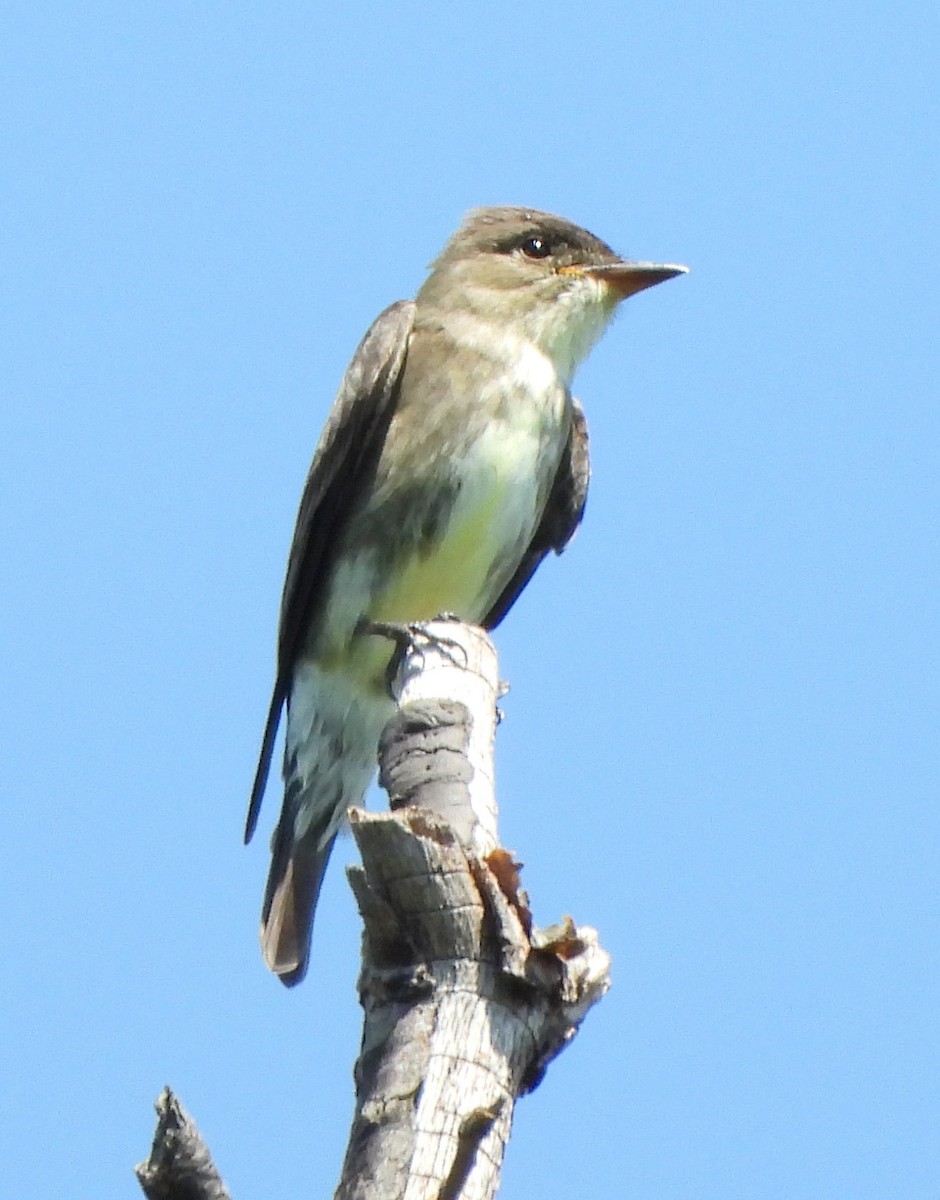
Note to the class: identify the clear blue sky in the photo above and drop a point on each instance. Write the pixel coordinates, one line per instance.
(721, 742)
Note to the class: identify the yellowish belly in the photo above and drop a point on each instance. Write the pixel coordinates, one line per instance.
(505, 474)
(453, 576)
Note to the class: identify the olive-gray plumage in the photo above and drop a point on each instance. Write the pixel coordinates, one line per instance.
(453, 460)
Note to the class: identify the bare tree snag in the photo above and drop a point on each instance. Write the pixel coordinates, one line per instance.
(465, 1004)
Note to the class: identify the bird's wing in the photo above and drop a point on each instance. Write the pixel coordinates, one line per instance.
(561, 517)
(349, 446)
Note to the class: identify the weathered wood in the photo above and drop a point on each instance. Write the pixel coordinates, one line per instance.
(180, 1166)
(465, 1003)
(437, 752)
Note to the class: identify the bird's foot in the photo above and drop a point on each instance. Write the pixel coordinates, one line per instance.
(413, 637)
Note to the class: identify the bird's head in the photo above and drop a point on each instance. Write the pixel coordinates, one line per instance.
(538, 276)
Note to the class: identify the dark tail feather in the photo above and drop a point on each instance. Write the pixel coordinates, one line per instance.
(264, 758)
(290, 900)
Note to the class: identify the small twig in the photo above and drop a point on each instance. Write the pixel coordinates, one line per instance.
(180, 1166)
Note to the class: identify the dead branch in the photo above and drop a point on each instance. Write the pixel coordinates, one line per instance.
(180, 1166)
(465, 1001)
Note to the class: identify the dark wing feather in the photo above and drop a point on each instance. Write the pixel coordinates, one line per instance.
(561, 517)
(349, 446)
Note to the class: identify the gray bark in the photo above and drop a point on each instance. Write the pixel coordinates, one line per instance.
(180, 1166)
(465, 1002)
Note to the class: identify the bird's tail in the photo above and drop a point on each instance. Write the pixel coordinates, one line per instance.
(290, 900)
(329, 757)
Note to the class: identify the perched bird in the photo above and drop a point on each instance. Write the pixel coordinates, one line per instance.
(453, 460)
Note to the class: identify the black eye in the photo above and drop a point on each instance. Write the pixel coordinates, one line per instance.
(536, 247)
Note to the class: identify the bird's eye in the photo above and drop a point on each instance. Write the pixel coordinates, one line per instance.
(536, 247)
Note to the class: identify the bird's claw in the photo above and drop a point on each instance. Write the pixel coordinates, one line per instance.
(413, 636)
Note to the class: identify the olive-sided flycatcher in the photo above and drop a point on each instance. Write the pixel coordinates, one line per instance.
(453, 460)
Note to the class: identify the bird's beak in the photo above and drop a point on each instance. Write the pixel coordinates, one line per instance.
(628, 278)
